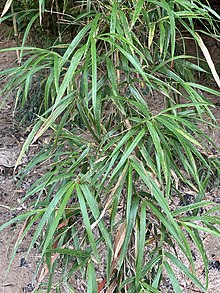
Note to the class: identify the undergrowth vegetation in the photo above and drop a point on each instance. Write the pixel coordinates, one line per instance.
(121, 97)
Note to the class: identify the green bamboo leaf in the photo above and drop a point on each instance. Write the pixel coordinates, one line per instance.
(96, 213)
(113, 18)
(29, 222)
(94, 78)
(171, 14)
(211, 10)
(162, 37)
(148, 288)
(141, 243)
(56, 71)
(92, 284)
(112, 76)
(157, 278)
(48, 91)
(151, 263)
(166, 217)
(194, 234)
(49, 211)
(172, 277)
(86, 221)
(60, 108)
(57, 218)
(86, 118)
(152, 27)
(177, 130)
(129, 150)
(201, 228)
(191, 207)
(142, 102)
(136, 13)
(68, 78)
(125, 26)
(27, 31)
(20, 218)
(129, 192)
(157, 144)
(171, 228)
(74, 44)
(71, 252)
(203, 88)
(184, 269)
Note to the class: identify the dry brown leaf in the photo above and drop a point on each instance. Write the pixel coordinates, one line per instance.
(119, 239)
(112, 287)
(6, 8)
(208, 58)
(101, 285)
(22, 230)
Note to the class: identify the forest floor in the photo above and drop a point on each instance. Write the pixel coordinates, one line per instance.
(23, 268)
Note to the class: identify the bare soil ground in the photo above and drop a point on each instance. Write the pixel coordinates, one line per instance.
(20, 275)
(19, 278)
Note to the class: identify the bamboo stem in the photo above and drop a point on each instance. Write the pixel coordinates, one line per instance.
(15, 33)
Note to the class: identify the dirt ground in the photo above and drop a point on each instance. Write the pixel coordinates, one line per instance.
(22, 270)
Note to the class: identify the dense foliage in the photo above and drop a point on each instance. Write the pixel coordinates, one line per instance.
(121, 95)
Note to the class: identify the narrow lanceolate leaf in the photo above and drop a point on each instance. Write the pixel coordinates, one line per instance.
(151, 34)
(56, 75)
(191, 207)
(198, 227)
(141, 242)
(69, 76)
(64, 103)
(113, 18)
(20, 218)
(129, 228)
(195, 236)
(185, 270)
(171, 14)
(166, 217)
(112, 76)
(86, 221)
(71, 252)
(49, 212)
(92, 39)
(172, 277)
(6, 7)
(208, 59)
(28, 142)
(178, 131)
(94, 78)
(58, 217)
(129, 151)
(96, 213)
(119, 240)
(91, 275)
(27, 31)
(138, 7)
(73, 45)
